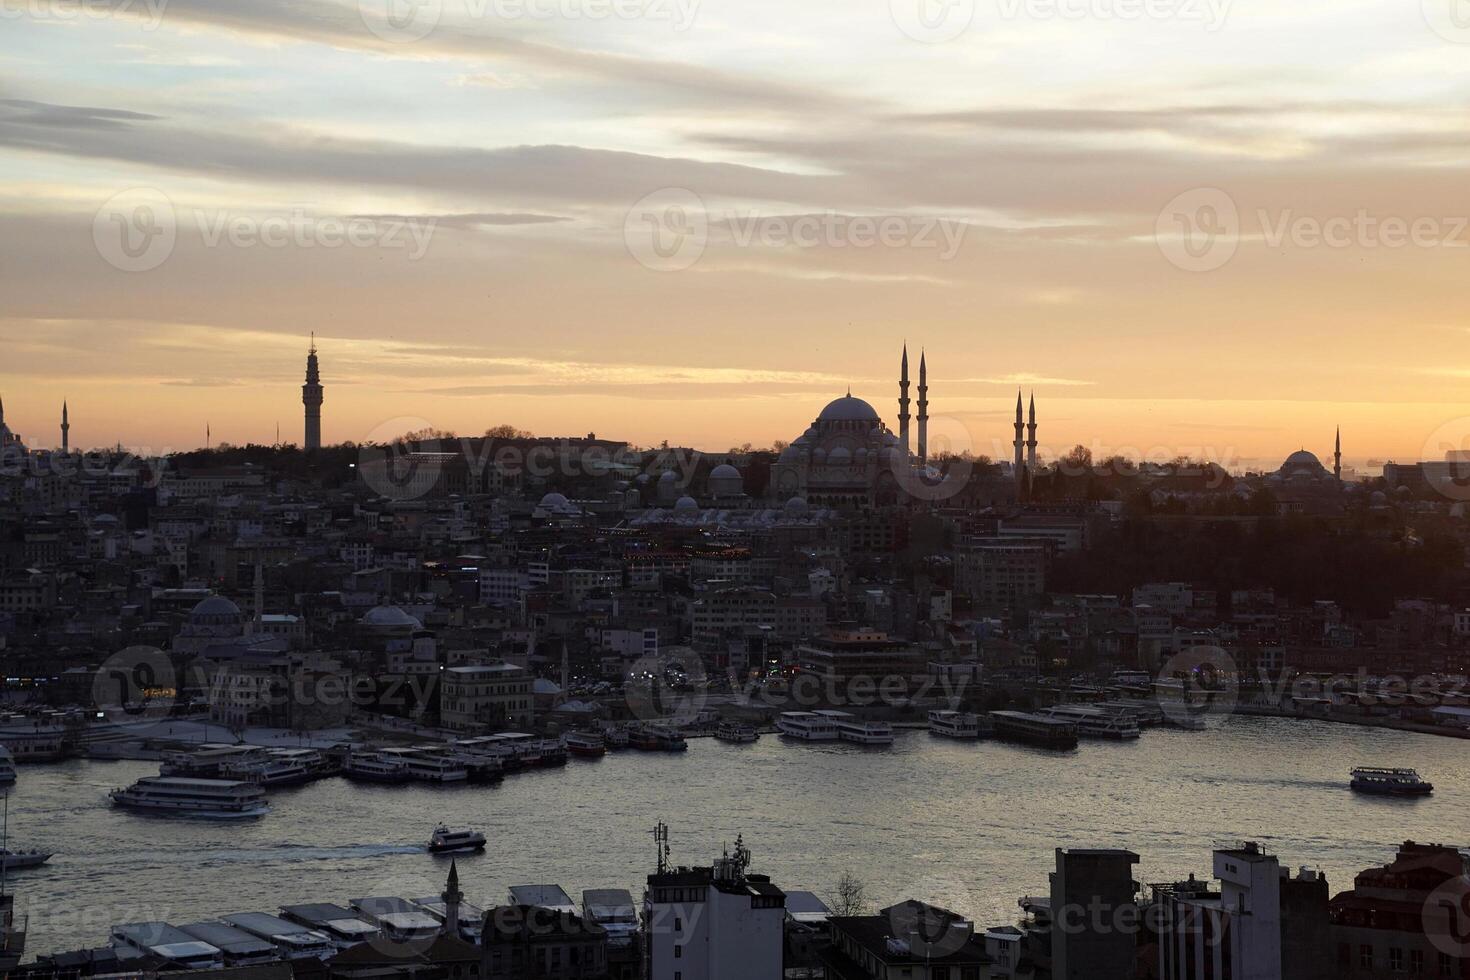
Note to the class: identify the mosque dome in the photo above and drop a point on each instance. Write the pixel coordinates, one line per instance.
(215, 609)
(554, 501)
(848, 409)
(668, 476)
(725, 472)
(796, 507)
(386, 617)
(686, 505)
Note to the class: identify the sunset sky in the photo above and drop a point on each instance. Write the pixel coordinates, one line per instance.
(522, 147)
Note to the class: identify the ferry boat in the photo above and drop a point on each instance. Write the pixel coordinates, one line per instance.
(211, 799)
(208, 761)
(427, 767)
(615, 737)
(447, 841)
(7, 767)
(736, 733)
(850, 729)
(586, 744)
(269, 771)
(955, 724)
(293, 940)
(1390, 782)
(657, 738)
(370, 767)
(806, 726)
(1031, 729)
(1095, 722)
(341, 927)
(175, 947)
(239, 947)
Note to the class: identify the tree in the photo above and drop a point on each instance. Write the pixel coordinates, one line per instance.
(851, 896)
(1077, 462)
(504, 431)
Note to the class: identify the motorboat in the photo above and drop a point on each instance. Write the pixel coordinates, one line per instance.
(11, 860)
(455, 841)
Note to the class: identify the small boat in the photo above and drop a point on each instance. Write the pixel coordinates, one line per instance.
(615, 736)
(736, 733)
(657, 738)
(586, 744)
(954, 724)
(446, 841)
(1390, 782)
(369, 767)
(10, 860)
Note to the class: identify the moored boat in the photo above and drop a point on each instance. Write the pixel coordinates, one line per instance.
(736, 733)
(1031, 729)
(806, 726)
(589, 745)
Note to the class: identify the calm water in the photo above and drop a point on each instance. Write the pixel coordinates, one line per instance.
(971, 826)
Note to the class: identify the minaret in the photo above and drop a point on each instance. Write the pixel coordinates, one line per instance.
(65, 431)
(452, 896)
(311, 397)
(923, 410)
(1031, 439)
(1020, 464)
(1337, 457)
(903, 402)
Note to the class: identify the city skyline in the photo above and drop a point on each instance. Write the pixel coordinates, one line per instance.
(502, 164)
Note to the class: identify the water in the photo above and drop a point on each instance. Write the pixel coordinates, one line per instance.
(966, 825)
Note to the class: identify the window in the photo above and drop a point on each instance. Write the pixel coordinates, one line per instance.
(1396, 959)
(1416, 961)
(1365, 957)
(1446, 966)
(678, 952)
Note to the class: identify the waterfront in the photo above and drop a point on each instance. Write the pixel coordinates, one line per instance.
(970, 826)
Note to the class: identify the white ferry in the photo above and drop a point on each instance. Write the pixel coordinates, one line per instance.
(269, 771)
(736, 733)
(239, 947)
(370, 767)
(954, 724)
(447, 841)
(851, 729)
(427, 768)
(587, 744)
(806, 726)
(174, 946)
(212, 799)
(1096, 722)
(295, 941)
(1032, 729)
(1390, 782)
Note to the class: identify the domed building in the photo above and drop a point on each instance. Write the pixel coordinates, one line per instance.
(844, 460)
(215, 624)
(726, 483)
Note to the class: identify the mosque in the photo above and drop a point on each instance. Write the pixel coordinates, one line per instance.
(849, 459)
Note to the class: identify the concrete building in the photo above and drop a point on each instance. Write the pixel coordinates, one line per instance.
(912, 941)
(479, 696)
(1093, 901)
(715, 923)
(1408, 918)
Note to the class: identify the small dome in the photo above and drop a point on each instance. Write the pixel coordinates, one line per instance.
(848, 409)
(796, 507)
(725, 472)
(216, 607)
(686, 505)
(389, 616)
(840, 456)
(554, 501)
(667, 476)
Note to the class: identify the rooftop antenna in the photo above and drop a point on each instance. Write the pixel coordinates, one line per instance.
(661, 844)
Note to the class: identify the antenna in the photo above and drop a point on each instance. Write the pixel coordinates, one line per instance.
(661, 844)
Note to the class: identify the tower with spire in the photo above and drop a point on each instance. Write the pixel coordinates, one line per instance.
(65, 431)
(452, 897)
(1031, 439)
(903, 402)
(1337, 457)
(923, 410)
(1019, 463)
(311, 397)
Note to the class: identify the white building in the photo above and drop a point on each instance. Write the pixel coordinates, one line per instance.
(715, 923)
